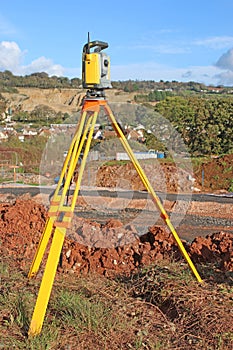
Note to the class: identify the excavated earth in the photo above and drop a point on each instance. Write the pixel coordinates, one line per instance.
(107, 248)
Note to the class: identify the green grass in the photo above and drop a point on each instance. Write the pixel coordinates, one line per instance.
(199, 161)
(230, 188)
(6, 179)
(81, 312)
(228, 170)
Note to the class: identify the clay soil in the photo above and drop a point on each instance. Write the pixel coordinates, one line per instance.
(109, 248)
(114, 245)
(213, 175)
(216, 173)
(117, 251)
(136, 285)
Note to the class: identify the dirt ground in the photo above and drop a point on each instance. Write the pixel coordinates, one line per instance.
(65, 100)
(211, 176)
(162, 176)
(116, 245)
(108, 248)
(116, 251)
(216, 174)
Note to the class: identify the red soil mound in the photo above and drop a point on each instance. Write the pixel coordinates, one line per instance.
(22, 223)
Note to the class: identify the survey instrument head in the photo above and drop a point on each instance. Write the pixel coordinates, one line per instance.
(95, 66)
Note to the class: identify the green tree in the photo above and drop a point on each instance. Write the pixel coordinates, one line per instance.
(205, 124)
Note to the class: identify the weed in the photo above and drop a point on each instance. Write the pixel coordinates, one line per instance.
(81, 313)
(44, 341)
(22, 317)
(230, 188)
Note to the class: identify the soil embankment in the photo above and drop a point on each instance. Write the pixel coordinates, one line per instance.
(109, 248)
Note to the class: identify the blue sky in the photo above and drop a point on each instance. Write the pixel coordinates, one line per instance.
(161, 39)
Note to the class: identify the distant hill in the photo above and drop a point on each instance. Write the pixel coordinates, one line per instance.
(59, 99)
(202, 115)
(9, 81)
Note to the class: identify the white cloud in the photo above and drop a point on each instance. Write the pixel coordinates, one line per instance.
(11, 58)
(225, 78)
(43, 64)
(216, 42)
(226, 60)
(10, 55)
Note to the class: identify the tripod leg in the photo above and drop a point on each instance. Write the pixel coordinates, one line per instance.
(82, 142)
(83, 163)
(151, 191)
(72, 165)
(75, 140)
(47, 283)
(59, 234)
(55, 202)
(41, 248)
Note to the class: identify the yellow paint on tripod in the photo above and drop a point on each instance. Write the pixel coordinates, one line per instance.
(60, 215)
(83, 163)
(47, 283)
(70, 159)
(153, 194)
(41, 248)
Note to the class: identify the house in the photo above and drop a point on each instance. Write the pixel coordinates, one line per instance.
(44, 132)
(137, 134)
(132, 135)
(29, 132)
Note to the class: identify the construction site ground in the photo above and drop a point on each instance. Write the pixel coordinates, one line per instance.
(116, 233)
(115, 211)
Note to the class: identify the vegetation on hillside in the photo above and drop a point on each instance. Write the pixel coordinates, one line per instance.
(205, 124)
(199, 115)
(9, 82)
(181, 88)
(27, 153)
(41, 115)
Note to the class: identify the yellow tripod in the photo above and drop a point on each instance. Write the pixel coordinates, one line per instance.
(60, 214)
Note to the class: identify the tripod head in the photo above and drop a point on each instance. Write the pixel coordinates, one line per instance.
(95, 67)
